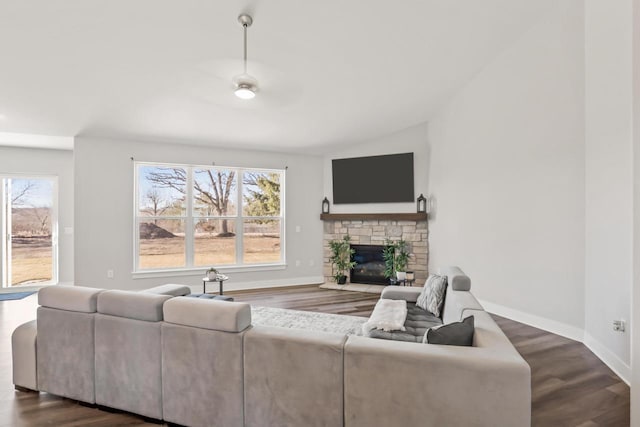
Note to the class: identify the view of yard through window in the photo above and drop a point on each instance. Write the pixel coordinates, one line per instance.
(28, 215)
(231, 216)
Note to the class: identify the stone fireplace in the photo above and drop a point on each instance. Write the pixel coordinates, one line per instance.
(373, 230)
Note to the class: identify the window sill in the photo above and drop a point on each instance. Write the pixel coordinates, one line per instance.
(148, 274)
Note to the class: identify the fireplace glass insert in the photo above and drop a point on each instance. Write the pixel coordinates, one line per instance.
(369, 266)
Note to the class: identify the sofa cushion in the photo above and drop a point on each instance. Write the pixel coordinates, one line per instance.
(208, 314)
(417, 323)
(432, 296)
(457, 333)
(69, 298)
(132, 305)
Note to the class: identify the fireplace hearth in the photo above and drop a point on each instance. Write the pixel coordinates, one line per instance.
(369, 266)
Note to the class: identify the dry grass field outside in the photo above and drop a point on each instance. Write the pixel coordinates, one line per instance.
(210, 250)
(31, 260)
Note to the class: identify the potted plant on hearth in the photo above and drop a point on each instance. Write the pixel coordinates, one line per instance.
(401, 260)
(396, 260)
(389, 257)
(341, 261)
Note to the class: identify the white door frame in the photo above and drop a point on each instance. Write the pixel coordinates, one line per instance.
(5, 227)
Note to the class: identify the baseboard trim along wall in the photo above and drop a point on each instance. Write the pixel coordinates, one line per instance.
(276, 283)
(611, 360)
(549, 325)
(577, 334)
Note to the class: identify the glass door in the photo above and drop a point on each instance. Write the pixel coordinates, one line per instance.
(29, 231)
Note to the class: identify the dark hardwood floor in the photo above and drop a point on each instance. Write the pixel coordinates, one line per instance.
(570, 386)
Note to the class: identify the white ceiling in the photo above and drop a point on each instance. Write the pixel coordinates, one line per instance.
(331, 72)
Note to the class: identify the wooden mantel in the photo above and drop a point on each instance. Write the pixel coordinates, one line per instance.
(374, 216)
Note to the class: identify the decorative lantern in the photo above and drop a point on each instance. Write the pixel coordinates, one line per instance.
(422, 204)
(325, 206)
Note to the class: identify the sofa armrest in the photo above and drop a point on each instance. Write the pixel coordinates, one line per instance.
(455, 386)
(23, 350)
(407, 293)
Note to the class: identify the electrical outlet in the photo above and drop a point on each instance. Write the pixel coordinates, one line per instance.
(311, 263)
(298, 263)
(618, 325)
(109, 274)
(298, 229)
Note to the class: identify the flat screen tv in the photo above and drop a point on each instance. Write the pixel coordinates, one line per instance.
(374, 179)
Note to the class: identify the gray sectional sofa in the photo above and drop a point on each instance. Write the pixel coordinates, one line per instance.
(201, 363)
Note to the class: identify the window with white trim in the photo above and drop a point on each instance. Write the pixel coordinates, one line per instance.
(201, 216)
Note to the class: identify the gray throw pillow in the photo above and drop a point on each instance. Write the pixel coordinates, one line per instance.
(457, 333)
(432, 296)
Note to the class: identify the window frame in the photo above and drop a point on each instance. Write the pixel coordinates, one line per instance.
(190, 220)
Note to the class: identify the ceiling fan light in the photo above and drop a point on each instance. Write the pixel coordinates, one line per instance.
(245, 91)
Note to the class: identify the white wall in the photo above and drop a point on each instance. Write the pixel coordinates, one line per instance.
(635, 325)
(507, 173)
(104, 211)
(31, 161)
(609, 179)
(411, 140)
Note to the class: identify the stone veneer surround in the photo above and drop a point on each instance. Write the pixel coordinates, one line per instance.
(375, 232)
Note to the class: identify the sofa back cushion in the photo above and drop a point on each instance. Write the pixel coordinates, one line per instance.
(128, 365)
(202, 376)
(132, 305)
(69, 298)
(293, 377)
(224, 316)
(65, 353)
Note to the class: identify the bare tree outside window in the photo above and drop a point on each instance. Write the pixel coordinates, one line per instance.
(31, 230)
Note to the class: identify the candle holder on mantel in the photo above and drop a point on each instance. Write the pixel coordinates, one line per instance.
(325, 206)
(422, 204)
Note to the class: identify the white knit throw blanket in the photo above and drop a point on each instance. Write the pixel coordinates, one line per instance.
(388, 315)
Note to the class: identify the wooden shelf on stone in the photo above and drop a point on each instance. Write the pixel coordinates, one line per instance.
(374, 216)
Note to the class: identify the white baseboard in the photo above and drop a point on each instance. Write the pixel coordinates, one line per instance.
(607, 357)
(549, 325)
(275, 283)
(610, 359)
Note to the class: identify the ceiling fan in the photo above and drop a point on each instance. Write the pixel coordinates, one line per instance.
(246, 85)
(217, 81)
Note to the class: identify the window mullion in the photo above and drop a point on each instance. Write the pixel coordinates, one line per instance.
(136, 216)
(189, 237)
(239, 221)
(283, 229)
(3, 244)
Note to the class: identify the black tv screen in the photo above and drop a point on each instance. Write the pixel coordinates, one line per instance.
(375, 179)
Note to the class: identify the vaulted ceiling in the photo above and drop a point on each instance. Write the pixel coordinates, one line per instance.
(330, 72)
